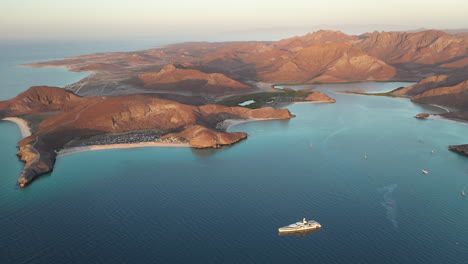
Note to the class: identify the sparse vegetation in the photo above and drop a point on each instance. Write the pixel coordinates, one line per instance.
(387, 94)
(264, 98)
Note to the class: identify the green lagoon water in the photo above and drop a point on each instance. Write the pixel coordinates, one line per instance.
(179, 205)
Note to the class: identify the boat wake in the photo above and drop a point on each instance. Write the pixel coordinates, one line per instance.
(389, 203)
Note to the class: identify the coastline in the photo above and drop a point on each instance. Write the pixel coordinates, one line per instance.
(22, 124)
(228, 123)
(74, 150)
(312, 102)
(441, 118)
(446, 109)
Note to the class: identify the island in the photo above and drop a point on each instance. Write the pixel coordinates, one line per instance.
(187, 94)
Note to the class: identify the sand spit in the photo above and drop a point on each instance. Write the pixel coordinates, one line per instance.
(22, 124)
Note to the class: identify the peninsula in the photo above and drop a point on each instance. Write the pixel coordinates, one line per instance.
(182, 94)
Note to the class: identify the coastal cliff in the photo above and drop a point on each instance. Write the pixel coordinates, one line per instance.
(78, 118)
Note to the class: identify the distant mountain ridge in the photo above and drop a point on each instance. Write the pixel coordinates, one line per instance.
(319, 56)
(214, 70)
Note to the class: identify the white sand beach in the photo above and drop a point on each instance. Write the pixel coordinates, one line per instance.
(22, 124)
(74, 150)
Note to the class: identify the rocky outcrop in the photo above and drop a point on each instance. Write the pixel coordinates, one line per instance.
(457, 89)
(460, 149)
(202, 137)
(319, 97)
(40, 99)
(177, 78)
(447, 90)
(422, 116)
(35, 163)
(80, 118)
(425, 85)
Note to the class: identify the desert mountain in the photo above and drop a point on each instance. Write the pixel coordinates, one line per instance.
(177, 78)
(325, 56)
(75, 118)
(426, 47)
(331, 62)
(445, 90)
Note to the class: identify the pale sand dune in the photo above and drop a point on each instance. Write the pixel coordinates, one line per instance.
(22, 124)
(74, 150)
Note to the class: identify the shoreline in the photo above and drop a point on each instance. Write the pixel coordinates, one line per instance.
(313, 102)
(446, 109)
(74, 150)
(228, 123)
(441, 118)
(22, 124)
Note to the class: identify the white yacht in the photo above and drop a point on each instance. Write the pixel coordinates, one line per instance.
(425, 171)
(302, 226)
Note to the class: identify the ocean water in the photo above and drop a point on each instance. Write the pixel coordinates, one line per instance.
(180, 205)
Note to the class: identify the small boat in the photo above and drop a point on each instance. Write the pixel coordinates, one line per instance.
(425, 171)
(463, 192)
(365, 156)
(432, 152)
(299, 227)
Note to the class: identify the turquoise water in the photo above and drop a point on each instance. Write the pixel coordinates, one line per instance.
(179, 205)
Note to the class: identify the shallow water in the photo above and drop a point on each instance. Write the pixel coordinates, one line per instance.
(178, 205)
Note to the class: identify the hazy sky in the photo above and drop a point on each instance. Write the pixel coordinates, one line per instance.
(119, 18)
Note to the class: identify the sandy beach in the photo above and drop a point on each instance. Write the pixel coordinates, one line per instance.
(22, 124)
(226, 124)
(438, 117)
(446, 109)
(74, 150)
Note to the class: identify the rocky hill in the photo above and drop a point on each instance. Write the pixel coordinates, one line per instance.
(445, 90)
(173, 78)
(76, 118)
